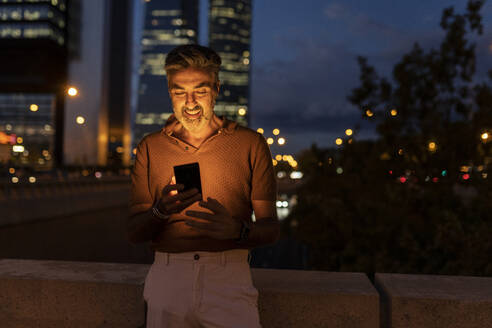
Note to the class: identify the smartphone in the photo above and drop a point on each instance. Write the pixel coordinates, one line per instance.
(189, 176)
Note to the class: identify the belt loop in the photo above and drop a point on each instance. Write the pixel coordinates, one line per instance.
(167, 258)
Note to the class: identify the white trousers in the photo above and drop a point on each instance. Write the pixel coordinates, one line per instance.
(201, 289)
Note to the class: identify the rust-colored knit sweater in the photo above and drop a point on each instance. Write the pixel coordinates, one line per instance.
(235, 168)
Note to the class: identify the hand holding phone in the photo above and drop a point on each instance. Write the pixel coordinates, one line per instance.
(174, 198)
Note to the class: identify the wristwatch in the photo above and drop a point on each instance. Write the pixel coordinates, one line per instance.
(159, 215)
(244, 233)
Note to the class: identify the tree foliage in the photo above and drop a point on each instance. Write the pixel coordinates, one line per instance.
(401, 204)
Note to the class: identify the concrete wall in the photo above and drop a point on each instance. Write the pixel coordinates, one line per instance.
(435, 301)
(85, 294)
(48, 200)
(89, 294)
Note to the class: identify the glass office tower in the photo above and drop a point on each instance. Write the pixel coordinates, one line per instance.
(167, 24)
(33, 62)
(230, 36)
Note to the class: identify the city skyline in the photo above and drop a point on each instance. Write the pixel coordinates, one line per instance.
(303, 63)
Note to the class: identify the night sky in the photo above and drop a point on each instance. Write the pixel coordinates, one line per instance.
(304, 59)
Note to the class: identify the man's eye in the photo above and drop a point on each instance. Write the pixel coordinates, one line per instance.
(179, 94)
(201, 92)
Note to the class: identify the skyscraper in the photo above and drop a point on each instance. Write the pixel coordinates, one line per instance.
(98, 120)
(33, 62)
(230, 36)
(167, 24)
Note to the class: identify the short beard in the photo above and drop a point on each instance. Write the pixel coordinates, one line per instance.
(193, 125)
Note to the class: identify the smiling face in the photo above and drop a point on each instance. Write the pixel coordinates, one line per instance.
(193, 92)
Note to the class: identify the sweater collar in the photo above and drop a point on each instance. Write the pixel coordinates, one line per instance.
(173, 125)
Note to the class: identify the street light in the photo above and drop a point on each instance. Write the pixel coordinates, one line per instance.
(34, 108)
(241, 111)
(394, 112)
(276, 132)
(485, 136)
(349, 132)
(339, 141)
(72, 91)
(281, 141)
(369, 113)
(80, 120)
(432, 146)
(270, 141)
(260, 130)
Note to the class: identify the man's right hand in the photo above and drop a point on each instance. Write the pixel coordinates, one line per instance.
(173, 202)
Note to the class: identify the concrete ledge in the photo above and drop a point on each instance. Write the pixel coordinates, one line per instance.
(292, 298)
(435, 301)
(86, 294)
(71, 294)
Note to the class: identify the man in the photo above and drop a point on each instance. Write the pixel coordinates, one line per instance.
(200, 276)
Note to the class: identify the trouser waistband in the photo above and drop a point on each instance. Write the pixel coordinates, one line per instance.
(232, 255)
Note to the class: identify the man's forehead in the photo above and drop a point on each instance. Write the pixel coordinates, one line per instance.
(191, 78)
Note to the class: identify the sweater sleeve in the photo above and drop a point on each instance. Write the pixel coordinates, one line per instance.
(141, 198)
(263, 184)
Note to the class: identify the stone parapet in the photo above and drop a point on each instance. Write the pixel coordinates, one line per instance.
(294, 298)
(432, 301)
(87, 294)
(71, 294)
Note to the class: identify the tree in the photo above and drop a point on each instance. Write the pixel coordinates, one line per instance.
(434, 98)
(399, 203)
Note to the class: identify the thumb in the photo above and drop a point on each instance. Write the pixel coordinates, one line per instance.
(173, 182)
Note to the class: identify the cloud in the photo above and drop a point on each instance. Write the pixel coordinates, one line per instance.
(306, 96)
(336, 10)
(357, 22)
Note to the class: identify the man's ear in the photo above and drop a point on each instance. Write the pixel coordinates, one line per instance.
(217, 86)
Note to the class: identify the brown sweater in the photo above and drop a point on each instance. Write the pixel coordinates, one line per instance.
(235, 168)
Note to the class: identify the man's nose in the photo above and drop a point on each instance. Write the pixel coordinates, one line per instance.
(190, 99)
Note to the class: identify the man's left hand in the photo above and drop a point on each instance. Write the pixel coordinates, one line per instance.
(219, 224)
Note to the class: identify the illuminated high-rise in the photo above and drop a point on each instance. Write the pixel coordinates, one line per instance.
(105, 73)
(33, 62)
(167, 24)
(230, 36)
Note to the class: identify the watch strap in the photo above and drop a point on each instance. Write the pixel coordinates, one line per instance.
(159, 215)
(244, 233)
